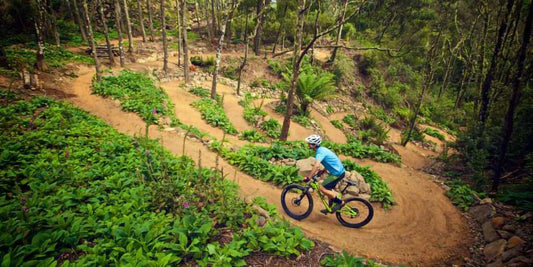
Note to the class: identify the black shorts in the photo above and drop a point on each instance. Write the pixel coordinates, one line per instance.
(331, 181)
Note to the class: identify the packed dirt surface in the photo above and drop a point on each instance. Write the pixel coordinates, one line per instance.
(424, 228)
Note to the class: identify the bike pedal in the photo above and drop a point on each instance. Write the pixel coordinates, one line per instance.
(324, 211)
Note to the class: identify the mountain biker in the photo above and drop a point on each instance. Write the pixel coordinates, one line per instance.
(333, 165)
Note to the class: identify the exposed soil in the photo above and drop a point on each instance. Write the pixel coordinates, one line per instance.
(424, 228)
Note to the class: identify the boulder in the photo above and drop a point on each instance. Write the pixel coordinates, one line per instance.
(515, 241)
(494, 249)
(498, 222)
(511, 253)
(489, 232)
(305, 166)
(364, 188)
(481, 212)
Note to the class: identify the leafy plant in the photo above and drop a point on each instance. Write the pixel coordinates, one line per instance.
(200, 62)
(252, 136)
(357, 149)
(302, 120)
(461, 195)
(214, 114)
(137, 93)
(312, 87)
(338, 124)
(434, 133)
(272, 128)
(346, 260)
(350, 119)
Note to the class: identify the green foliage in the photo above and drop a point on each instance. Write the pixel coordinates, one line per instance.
(372, 131)
(253, 114)
(343, 69)
(312, 87)
(346, 260)
(137, 93)
(272, 128)
(56, 57)
(270, 208)
(338, 124)
(302, 120)
(382, 115)
(351, 120)
(416, 135)
(434, 133)
(380, 190)
(72, 184)
(199, 61)
(214, 114)
(461, 194)
(199, 91)
(231, 69)
(252, 136)
(356, 149)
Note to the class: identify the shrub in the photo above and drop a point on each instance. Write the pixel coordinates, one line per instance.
(461, 195)
(434, 133)
(343, 69)
(338, 124)
(200, 62)
(302, 120)
(351, 120)
(214, 114)
(252, 136)
(346, 259)
(272, 128)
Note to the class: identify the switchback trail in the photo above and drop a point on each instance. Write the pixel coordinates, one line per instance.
(424, 228)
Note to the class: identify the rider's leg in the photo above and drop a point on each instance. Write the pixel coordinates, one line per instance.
(326, 188)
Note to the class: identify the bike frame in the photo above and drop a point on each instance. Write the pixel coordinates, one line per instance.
(316, 186)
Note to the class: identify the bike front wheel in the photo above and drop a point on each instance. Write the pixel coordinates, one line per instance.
(296, 201)
(355, 213)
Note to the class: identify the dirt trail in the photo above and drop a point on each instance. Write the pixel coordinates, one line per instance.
(423, 229)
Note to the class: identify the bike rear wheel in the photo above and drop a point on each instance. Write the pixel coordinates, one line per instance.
(296, 202)
(355, 213)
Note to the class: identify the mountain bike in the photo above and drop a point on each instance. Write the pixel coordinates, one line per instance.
(297, 202)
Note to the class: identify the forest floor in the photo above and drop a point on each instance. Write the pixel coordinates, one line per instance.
(423, 228)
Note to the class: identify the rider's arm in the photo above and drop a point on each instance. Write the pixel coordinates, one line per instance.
(315, 169)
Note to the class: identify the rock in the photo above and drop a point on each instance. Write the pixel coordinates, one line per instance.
(169, 129)
(364, 196)
(511, 253)
(494, 249)
(489, 232)
(358, 177)
(519, 261)
(504, 234)
(485, 201)
(305, 166)
(481, 212)
(498, 222)
(497, 263)
(515, 241)
(352, 190)
(509, 228)
(261, 221)
(364, 188)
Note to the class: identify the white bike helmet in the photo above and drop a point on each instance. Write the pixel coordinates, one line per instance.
(314, 139)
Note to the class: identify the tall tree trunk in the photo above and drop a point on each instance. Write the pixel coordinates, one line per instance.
(128, 27)
(217, 62)
(197, 13)
(278, 33)
(243, 64)
(481, 61)
(178, 23)
(118, 19)
(139, 6)
(164, 31)
(334, 53)
(150, 21)
(184, 41)
(257, 34)
(485, 89)
(53, 22)
(295, 70)
(91, 39)
(214, 19)
(38, 23)
(106, 33)
(79, 21)
(451, 61)
(513, 102)
(209, 25)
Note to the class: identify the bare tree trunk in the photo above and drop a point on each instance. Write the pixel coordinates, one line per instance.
(334, 53)
(178, 23)
(118, 19)
(451, 61)
(485, 89)
(279, 29)
(164, 31)
(91, 39)
(513, 102)
(209, 25)
(128, 24)
(53, 22)
(217, 62)
(38, 22)
(106, 33)
(295, 70)
(150, 21)
(197, 13)
(214, 18)
(139, 6)
(257, 34)
(79, 21)
(243, 64)
(481, 61)
(184, 41)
